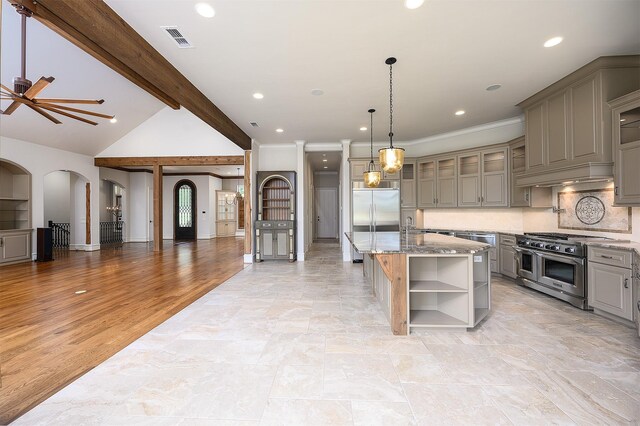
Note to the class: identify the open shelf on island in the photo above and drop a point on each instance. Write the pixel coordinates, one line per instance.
(479, 284)
(479, 314)
(434, 318)
(434, 286)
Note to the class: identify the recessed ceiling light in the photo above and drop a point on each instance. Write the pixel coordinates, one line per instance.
(205, 10)
(258, 95)
(460, 112)
(553, 42)
(113, 120)
(363, 129)
(325, 167)
(413, 4)
(623, 119)
(279, 130)
(324, 160)
(493, 87)
(317, 92)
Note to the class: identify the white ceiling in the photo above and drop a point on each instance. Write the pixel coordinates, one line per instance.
(448, 52)
(77, 75)
(325, 161)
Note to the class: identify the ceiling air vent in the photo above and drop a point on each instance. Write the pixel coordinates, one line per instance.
(254, 124)
(177, 36)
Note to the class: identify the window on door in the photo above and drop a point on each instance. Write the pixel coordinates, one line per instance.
(185, 210)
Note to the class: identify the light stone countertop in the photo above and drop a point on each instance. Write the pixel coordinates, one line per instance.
(417, 243)
(616, 244)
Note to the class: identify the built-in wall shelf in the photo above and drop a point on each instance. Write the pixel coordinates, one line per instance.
(15, 213)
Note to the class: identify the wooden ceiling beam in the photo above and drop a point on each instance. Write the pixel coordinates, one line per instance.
(227, 160)
(95, 28)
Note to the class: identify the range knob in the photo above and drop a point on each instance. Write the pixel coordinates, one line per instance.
(570, 250)
(526, 243)
(552, 247)
(539, 245)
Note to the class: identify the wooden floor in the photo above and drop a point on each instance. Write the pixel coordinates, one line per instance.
(49, 335)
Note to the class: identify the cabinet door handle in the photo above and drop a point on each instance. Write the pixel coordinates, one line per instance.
(606, 257)
(616, 190)
(434, 201)
(1, 242)
(526, 195)
(478, 199)
(626, 283)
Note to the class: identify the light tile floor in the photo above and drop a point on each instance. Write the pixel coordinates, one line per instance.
(307, 344)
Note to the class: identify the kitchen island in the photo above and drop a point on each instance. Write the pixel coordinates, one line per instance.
(426, 280)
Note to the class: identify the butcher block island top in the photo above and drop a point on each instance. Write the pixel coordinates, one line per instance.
(413, 243)
(426, 280)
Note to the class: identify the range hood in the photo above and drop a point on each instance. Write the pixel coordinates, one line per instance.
(578, 173)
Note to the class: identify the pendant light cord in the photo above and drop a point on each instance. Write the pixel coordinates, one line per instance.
(391, 105)
(371, 128)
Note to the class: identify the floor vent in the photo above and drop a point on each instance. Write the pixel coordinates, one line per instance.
(177, 36)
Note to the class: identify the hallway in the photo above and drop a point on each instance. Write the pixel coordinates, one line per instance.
(306, 343)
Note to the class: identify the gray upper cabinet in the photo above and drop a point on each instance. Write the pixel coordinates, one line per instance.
(494, 178)
(626, 148)
(524, 196)
(426, 183)
(483, 178)
(408, 184)
(568, 124)
(437, 182)
(469, 180)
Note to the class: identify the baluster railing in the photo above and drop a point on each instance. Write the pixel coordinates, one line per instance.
(60, 233)
(111, 233)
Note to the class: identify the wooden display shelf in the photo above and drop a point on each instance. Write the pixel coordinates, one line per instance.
(13, 199)
(434, 318)
(434, 286)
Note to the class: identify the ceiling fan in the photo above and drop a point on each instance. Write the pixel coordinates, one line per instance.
(24, 92)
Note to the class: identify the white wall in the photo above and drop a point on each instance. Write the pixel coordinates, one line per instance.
(140, 212)
(326, 180)
(171, 133)
(57, 197)
(277, 157)
(203, 213)
(40, 161)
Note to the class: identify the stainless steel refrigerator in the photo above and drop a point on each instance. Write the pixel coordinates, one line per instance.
(375, 209)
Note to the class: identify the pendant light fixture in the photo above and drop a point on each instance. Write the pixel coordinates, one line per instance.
(391, 158)
(372, 176)
(237, 198)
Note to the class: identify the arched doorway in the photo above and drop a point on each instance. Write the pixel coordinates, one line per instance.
(184, 210)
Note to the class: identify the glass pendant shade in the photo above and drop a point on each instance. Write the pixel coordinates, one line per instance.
(372, 177)
(391, 159)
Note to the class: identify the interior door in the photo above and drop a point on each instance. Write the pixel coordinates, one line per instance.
(326, 212)
(184, 213)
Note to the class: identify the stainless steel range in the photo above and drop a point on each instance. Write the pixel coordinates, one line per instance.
(554, 264)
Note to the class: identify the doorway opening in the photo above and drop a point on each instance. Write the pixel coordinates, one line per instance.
(184, 208)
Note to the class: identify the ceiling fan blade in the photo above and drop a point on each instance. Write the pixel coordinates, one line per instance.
(44, 114)
(68, 101)
(80, 111)
(9, 90)
(14, 105)
(66, 114)
(38, 87)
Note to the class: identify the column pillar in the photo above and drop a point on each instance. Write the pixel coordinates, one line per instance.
(157, 207)
(300, 199)
(345, 172)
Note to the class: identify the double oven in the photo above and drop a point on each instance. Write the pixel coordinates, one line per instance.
(554, 264)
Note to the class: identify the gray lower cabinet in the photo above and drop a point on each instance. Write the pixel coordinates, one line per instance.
(507, 256)
(610, 282)
(15, 245)
(275, 244)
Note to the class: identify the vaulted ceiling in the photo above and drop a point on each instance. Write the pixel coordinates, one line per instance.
(448, 53)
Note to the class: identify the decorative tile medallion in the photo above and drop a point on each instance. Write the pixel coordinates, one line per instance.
(592, 210)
